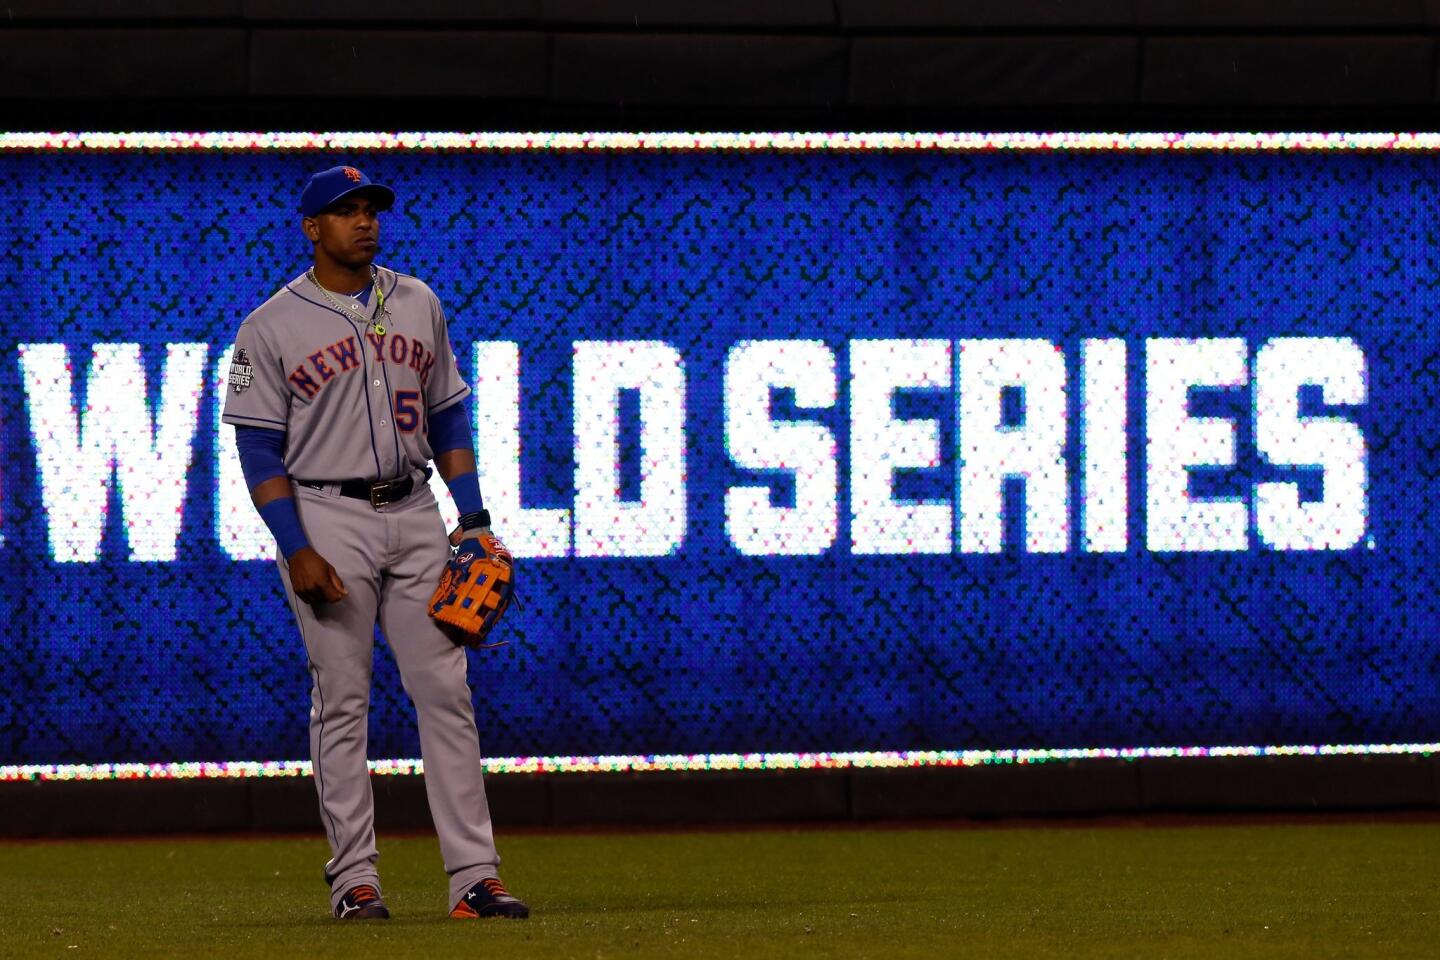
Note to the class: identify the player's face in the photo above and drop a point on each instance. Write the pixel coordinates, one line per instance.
(348, 232)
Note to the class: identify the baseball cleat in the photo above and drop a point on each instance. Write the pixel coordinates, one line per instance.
(361, 902)
(489, 898)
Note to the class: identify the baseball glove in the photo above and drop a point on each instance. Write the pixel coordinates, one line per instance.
(475, 589)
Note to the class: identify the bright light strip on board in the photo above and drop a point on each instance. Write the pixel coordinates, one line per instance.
(677, 763)
(238, 141)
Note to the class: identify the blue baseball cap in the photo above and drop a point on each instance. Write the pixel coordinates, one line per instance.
(330, 186)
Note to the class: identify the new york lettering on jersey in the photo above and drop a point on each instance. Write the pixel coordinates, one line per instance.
(354, 401)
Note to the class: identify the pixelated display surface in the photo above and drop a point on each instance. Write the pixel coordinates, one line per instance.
(798, 451)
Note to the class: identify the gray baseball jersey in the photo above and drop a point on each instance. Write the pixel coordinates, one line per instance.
(353, 403)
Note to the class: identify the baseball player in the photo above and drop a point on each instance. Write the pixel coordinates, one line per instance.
(342, 389)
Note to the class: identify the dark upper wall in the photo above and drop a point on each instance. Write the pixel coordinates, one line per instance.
(737, 64)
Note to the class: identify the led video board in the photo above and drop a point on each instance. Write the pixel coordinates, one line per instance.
(803, 444)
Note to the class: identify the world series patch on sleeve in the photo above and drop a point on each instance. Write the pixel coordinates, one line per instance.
(475, 590)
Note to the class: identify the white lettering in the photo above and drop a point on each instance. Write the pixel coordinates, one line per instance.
(1176, 441)
(1336, 445)
(1104, 498)
(991, 451)
(115, 436)
(880, 444)
(527, 531)
(805, 449)
(605, 525)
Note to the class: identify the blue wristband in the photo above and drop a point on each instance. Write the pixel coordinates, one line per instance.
(283, 520)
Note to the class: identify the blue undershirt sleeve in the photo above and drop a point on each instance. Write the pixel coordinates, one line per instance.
(262, 454)
(262, 457)
(450, 430)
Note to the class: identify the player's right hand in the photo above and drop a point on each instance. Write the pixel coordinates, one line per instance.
(314, 580)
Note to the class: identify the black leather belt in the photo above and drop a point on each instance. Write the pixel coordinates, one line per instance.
(379, 493)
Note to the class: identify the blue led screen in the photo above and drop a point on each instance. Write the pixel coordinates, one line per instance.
(875, 450)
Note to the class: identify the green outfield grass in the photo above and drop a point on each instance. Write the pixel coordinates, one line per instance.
(1146, 891)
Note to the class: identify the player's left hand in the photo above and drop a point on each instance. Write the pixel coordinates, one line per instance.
(476, 588)
(490, 544)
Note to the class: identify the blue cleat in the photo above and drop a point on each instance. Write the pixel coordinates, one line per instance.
(489, 898)
(362, 902)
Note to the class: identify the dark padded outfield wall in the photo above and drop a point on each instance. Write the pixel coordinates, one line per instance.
(803, 450)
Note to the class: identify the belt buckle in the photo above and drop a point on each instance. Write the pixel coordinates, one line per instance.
(379, 490)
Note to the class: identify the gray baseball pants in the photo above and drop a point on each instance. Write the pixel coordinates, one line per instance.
(390, 558)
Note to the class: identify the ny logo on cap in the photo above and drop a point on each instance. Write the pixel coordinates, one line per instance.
(352, 173)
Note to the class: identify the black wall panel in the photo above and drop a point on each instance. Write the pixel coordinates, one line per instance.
(973, 15)
(1299, 70)
(918, 72)
(1289, 15)
(20, 12)
(374, 63)
(712, 70)
(1250, 783)
(54, 64)
(722, 14)
(351, 13)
